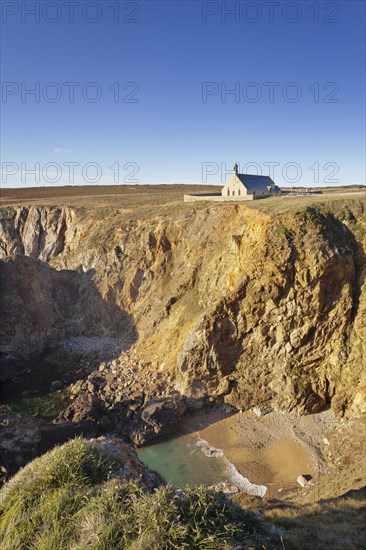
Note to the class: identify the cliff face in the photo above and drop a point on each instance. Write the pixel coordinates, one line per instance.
(266, 310)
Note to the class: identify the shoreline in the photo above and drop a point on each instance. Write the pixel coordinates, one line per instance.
(270, 450)
(235, 477)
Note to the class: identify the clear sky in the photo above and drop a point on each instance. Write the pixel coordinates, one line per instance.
(296, 69)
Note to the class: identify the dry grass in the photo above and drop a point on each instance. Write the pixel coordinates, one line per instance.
(335, 524)
(146, 201)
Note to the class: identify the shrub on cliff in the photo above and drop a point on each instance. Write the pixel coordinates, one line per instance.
(70, 498)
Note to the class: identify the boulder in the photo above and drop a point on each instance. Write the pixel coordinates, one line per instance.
(105, 424)
(158, 419)
(358, 406)
(301, 480)
(225, 487)
(83, 408)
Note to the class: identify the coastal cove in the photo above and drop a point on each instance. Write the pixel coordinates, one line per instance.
(256, 454)
(190, 460)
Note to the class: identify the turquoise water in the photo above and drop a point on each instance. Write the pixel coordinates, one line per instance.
(182, 461)
(190, 460)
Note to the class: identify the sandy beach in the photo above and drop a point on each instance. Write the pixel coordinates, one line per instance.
(271, 450)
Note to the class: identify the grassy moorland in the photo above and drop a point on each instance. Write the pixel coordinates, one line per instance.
(145, 201)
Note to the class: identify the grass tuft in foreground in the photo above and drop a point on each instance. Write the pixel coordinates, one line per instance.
(69, 498)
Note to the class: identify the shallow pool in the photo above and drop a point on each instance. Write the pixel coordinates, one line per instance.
(182, 462)
(190, 460)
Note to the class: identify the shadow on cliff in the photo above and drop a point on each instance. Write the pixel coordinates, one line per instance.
(54, 323)
(341, 237)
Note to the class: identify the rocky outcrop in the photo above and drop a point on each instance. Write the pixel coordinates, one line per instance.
(23, 437)
(123, 397)
(225, 300)
(157, 419)
(37, 232)
(85, 408)
(128, 466)
(281, 333)
(42, 307)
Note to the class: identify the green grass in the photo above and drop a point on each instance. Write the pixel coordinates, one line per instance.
(70, 498)
(46, 406)
(285, 232)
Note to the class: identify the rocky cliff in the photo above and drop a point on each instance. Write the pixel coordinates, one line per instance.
(263, 310)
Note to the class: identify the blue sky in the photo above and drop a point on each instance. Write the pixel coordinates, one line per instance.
(181, 57)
